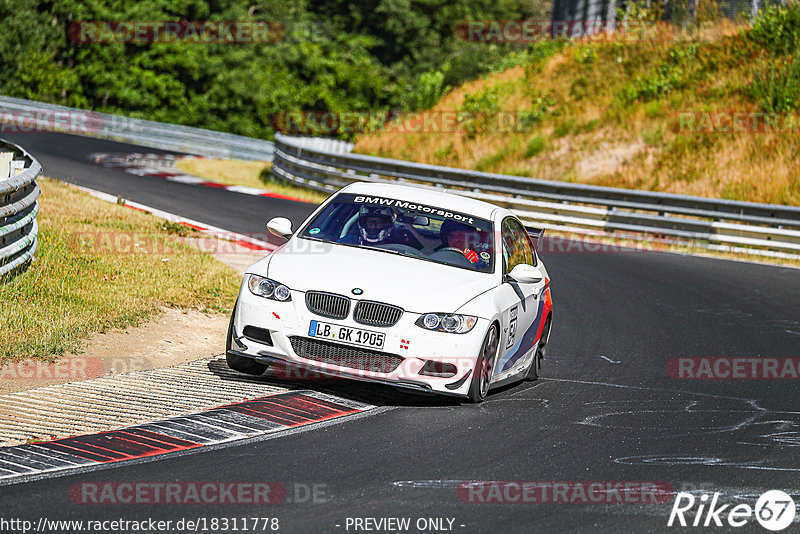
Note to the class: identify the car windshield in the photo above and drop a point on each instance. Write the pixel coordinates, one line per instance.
(407, 228)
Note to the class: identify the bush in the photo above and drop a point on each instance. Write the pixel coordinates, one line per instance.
(535, 146)
(430, 89)
(332, 56)
(776, 86)
(565, 127)
(670, 75)
(489, 162)
(708, 11)
(640, 11)
(537, 112)
(579, 88)
(478, 110)
(540, 52)
(585, 55)
(444, 152)
(777, 28)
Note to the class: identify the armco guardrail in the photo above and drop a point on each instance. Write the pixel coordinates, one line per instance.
(21, 115)
(557, 205)
(18, 206)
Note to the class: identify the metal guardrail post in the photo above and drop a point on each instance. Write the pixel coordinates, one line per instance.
(18, 206)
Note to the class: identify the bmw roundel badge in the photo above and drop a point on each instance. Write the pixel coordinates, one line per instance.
(357, 291)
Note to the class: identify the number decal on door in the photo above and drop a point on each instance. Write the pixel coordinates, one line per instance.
(512, 327)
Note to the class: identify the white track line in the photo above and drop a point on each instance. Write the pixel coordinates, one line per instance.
(163, 166)
(207, 229)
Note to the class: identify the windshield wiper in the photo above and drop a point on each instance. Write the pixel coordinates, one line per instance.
(368, 247)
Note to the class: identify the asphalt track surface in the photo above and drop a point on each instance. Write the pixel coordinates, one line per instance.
(66, 157)
(605, 408)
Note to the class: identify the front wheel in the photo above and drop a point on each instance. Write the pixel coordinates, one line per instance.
(244, 365)
(482, 373)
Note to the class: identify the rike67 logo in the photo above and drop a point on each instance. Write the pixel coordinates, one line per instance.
(774, 510)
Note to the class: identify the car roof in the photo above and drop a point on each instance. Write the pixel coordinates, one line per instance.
(424, 195)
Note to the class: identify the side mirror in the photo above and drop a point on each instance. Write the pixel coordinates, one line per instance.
(280, 226)
(526, 274)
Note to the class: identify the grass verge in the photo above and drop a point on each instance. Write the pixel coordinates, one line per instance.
(248, 173)
(641, 114)
(102, 266)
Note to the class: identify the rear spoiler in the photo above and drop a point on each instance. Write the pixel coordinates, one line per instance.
(535, 234)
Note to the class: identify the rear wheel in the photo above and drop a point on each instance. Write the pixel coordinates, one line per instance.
(533, 370)
(482, 373)
(538, 358)
(240, 363)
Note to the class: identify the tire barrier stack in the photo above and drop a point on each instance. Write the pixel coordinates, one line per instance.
(18, 206)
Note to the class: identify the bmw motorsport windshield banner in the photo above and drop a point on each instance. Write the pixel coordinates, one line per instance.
(408, 206)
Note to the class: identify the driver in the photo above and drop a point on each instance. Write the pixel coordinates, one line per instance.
(461, 237)
(375, 227)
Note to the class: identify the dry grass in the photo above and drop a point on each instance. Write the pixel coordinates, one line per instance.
(100, 266)
(596, 126)
(247, 173)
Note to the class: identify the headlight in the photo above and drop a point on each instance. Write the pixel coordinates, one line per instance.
(447, 322)
(270, 289)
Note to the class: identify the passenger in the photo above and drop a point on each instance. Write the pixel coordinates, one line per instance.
(461, 238)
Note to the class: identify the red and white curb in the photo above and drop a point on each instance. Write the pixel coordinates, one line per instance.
(213, 231)
(163, 166)
(229, 423)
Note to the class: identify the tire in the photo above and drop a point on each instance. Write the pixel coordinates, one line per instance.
(541, 350)
(479, 386)
(240, 363)
(533, 371)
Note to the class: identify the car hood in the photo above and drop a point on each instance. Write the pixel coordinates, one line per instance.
(415, 285)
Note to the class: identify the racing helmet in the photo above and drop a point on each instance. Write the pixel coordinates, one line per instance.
(376, 225)
(450, 226)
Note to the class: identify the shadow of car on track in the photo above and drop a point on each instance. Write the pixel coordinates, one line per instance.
(370, 393)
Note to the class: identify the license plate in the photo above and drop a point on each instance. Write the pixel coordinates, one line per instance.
(345, 334)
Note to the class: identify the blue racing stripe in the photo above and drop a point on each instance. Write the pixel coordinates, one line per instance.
(527, 340)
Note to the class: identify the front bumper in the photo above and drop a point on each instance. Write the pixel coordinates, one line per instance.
(405, 340)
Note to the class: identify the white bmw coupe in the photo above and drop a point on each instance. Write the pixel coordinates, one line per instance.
(399, 285)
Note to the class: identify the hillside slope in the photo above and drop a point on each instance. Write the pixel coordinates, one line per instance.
(656, 114)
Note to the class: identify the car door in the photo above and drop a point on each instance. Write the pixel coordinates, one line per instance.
(524, 306)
